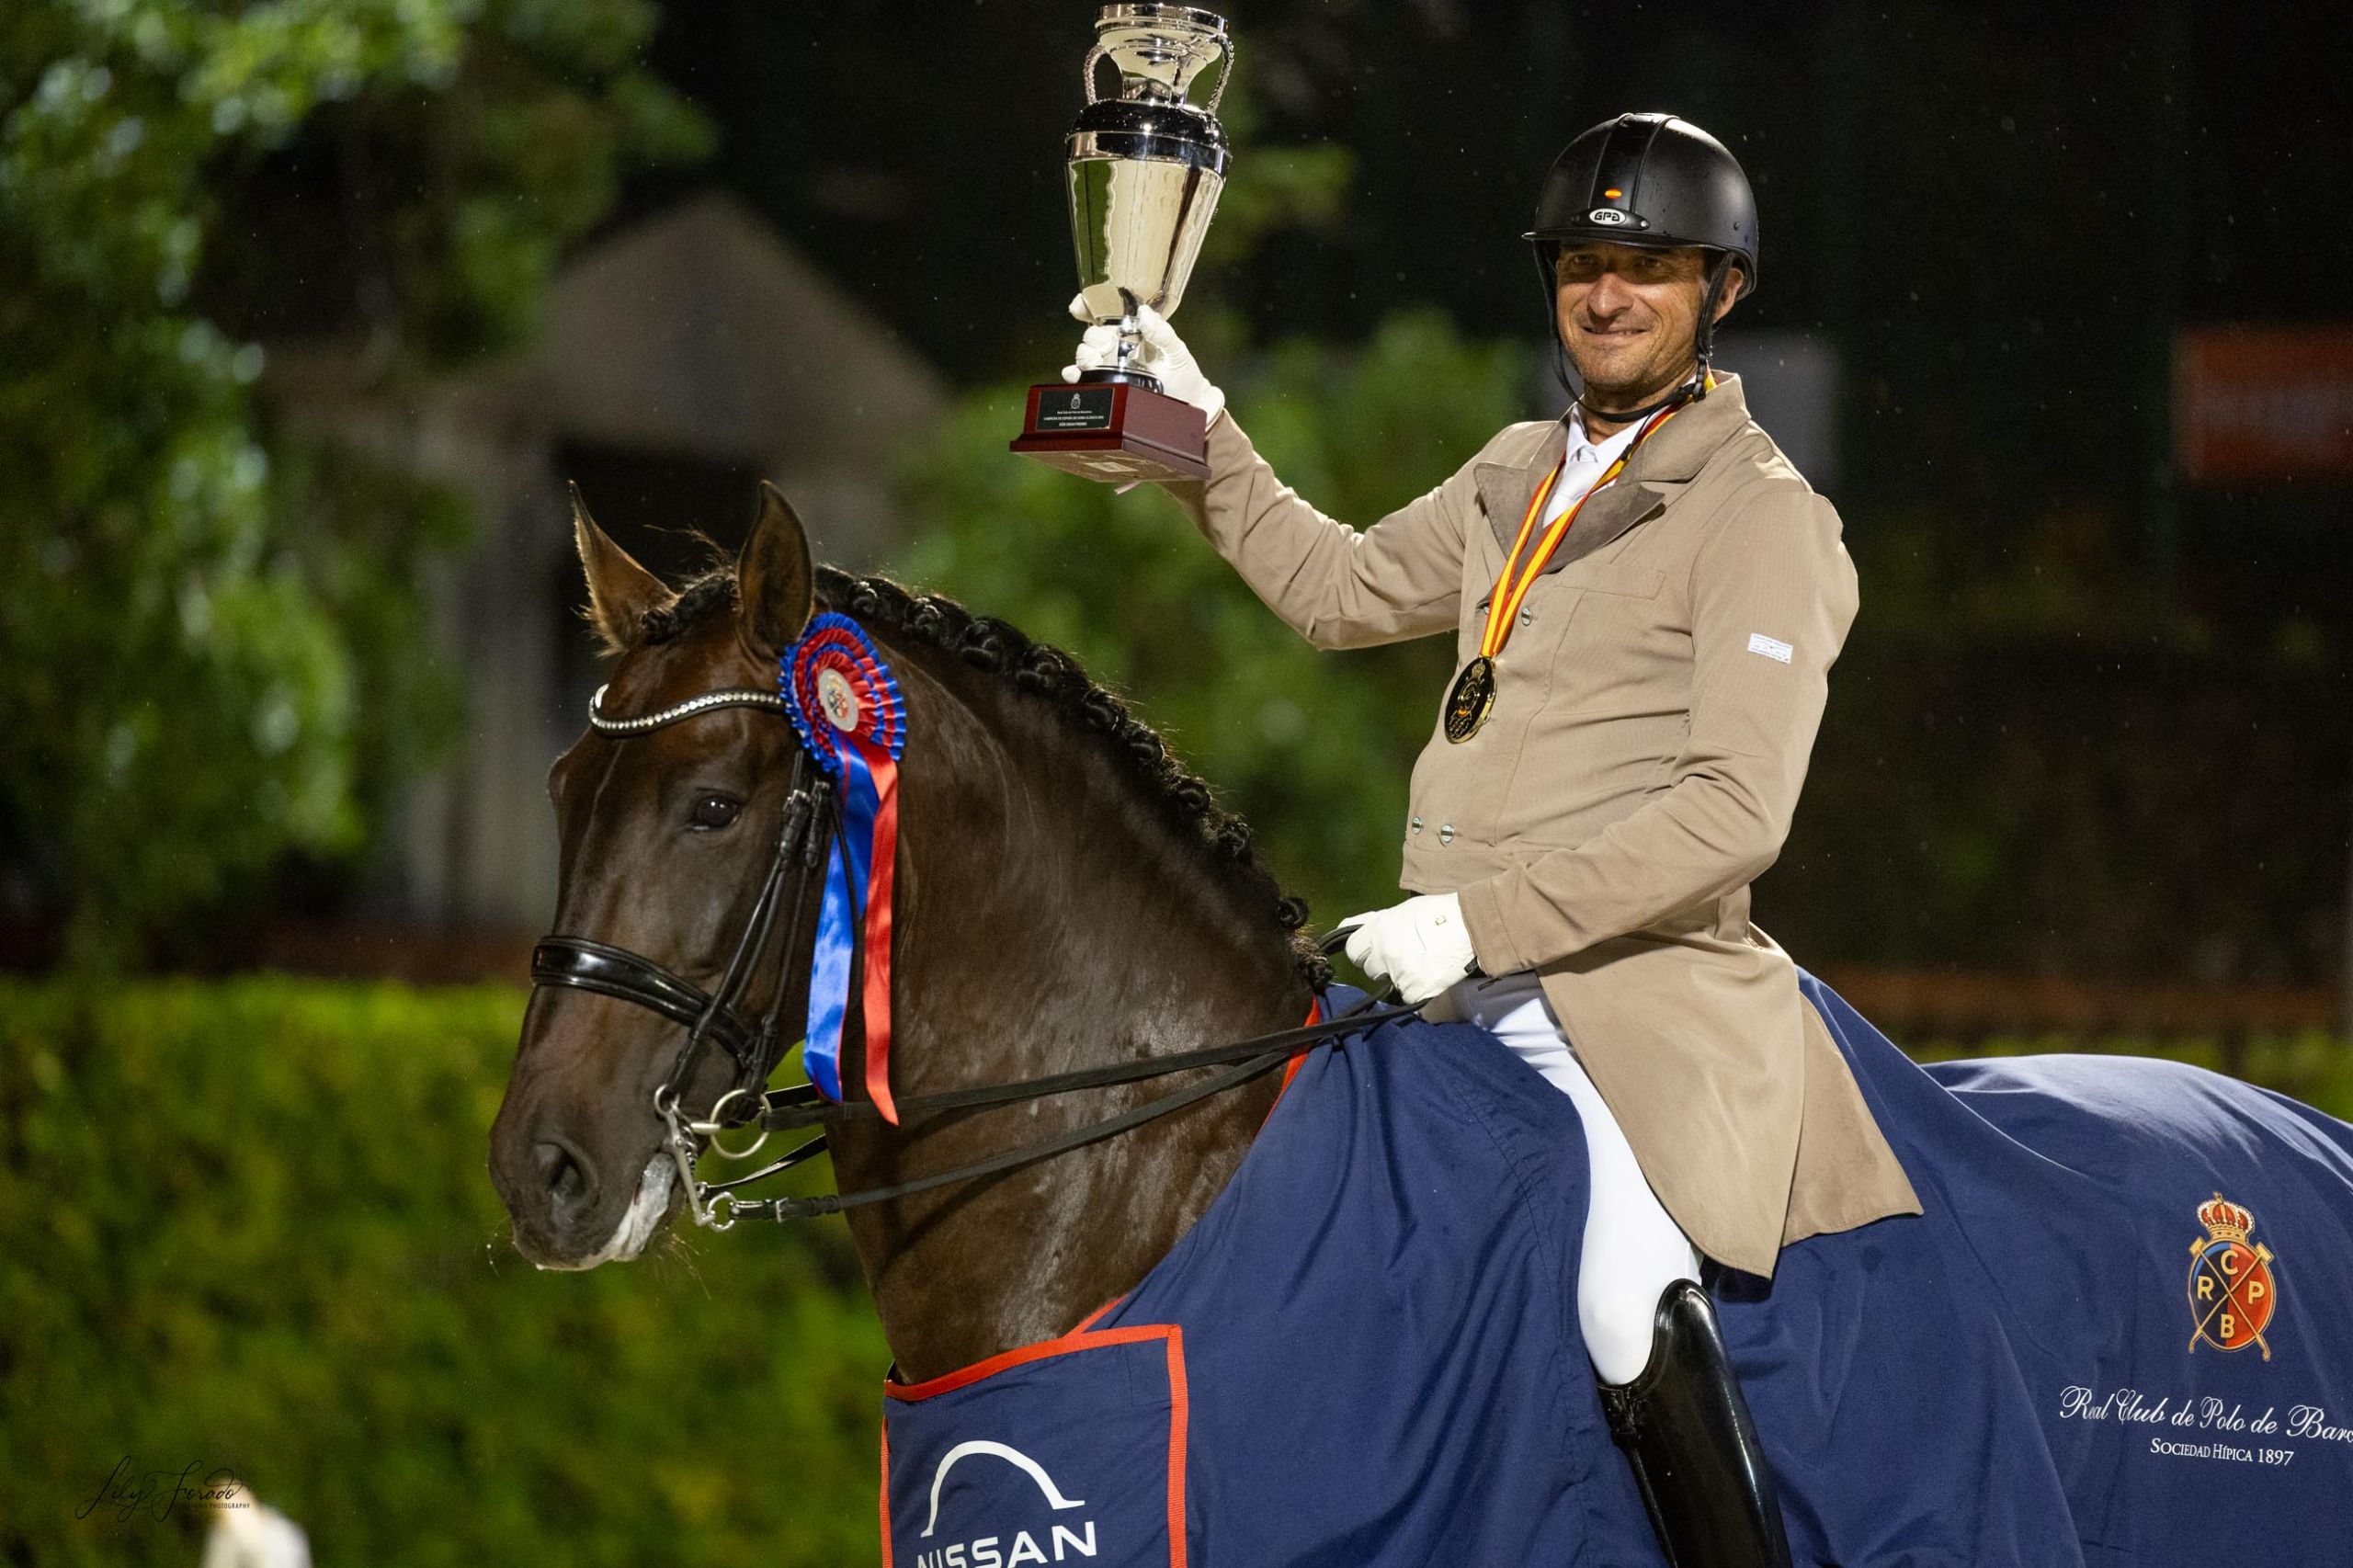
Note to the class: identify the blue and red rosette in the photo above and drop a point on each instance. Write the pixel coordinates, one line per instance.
(852, 718)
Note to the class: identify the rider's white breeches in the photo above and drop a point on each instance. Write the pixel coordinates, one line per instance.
(1633, 1250)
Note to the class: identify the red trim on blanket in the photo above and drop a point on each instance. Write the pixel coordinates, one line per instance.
(1180, 1407)
(1041, 1350)
(1298, 1058)
(1180, 1413)
(1091, 1318)
(886, 1492)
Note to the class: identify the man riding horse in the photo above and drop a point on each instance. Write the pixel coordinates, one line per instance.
(1646, 598)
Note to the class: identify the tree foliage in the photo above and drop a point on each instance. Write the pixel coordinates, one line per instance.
(205, 660)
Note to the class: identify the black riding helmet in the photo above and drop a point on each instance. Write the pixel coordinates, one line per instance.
(1649, 179)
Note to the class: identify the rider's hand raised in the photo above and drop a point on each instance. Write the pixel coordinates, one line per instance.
(1164, 356)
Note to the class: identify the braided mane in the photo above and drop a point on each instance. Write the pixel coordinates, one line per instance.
(1050, 675)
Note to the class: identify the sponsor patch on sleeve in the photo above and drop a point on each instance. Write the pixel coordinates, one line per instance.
(1771, 647)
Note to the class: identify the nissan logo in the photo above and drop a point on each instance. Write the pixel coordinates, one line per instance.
(1609, 215)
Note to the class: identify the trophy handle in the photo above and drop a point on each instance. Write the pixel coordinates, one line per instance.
(1100, 53)
(1224, 75)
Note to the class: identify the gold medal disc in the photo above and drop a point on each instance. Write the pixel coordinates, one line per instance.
(1472, 700)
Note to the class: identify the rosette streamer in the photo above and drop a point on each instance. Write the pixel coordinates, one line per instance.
(849, 713)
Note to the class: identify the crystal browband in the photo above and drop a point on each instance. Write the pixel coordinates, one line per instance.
(739, 697)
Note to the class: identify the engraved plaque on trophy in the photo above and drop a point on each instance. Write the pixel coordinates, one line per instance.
(1144, 171)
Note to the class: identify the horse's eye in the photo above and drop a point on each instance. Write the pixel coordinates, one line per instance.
(714, 811)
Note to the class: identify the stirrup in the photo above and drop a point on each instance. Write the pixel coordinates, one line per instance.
(1686, 1433)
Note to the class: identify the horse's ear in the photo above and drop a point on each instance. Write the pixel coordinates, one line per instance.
(773, 588)
(621, 594)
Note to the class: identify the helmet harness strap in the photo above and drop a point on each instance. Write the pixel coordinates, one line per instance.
(1704, 333)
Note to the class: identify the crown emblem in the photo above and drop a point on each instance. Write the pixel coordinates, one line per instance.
(2224, 1220)
(2232, 1291)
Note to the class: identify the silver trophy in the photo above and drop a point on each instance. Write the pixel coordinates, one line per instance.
(1144, 169)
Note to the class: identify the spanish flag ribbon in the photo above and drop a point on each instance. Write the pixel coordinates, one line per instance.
(1513, 585)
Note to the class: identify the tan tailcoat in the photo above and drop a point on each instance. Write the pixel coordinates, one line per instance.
(1654, 708)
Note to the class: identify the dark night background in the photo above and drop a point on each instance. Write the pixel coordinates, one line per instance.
(1998, 212)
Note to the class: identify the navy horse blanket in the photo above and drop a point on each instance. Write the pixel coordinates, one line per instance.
(2121, 1334)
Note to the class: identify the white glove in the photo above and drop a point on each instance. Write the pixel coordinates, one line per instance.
(1163, 355)
(1421, 946)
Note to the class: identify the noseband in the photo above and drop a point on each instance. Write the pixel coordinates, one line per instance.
(756, 1045)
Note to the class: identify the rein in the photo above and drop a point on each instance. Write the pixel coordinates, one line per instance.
(756, 1047)
(1243, 1060)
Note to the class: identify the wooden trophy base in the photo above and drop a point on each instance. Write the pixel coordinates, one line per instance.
(1119, 431)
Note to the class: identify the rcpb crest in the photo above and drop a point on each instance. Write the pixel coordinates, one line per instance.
(2231, 1291)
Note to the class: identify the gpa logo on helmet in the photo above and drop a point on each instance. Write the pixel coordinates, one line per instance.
(1608, 217)
(2231, 1289)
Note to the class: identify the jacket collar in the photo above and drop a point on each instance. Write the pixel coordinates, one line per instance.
(1671, 459)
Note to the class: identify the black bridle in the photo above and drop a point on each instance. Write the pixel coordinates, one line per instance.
(755, 1045)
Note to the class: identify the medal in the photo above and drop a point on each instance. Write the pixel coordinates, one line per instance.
(1473, 696)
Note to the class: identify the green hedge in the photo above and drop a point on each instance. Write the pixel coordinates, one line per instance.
(2315, 1067)
(251, 1224)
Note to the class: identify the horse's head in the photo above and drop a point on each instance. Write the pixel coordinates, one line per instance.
(1064, 894)
(664, 834)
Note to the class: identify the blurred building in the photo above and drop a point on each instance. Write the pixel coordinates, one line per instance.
(682, 359)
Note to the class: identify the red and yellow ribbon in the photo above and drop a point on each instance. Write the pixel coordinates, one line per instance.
(1513, 585)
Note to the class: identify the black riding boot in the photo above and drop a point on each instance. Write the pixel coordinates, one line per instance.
(1686, 1431)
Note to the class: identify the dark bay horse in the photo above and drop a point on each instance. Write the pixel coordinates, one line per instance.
(1067, 895)
(2114, 1317)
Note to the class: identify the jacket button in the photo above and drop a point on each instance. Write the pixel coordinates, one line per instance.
(1446, 832)
(1528, 618)
(1415, 825)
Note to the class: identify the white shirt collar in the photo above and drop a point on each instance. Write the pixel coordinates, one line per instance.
(1600, 454)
